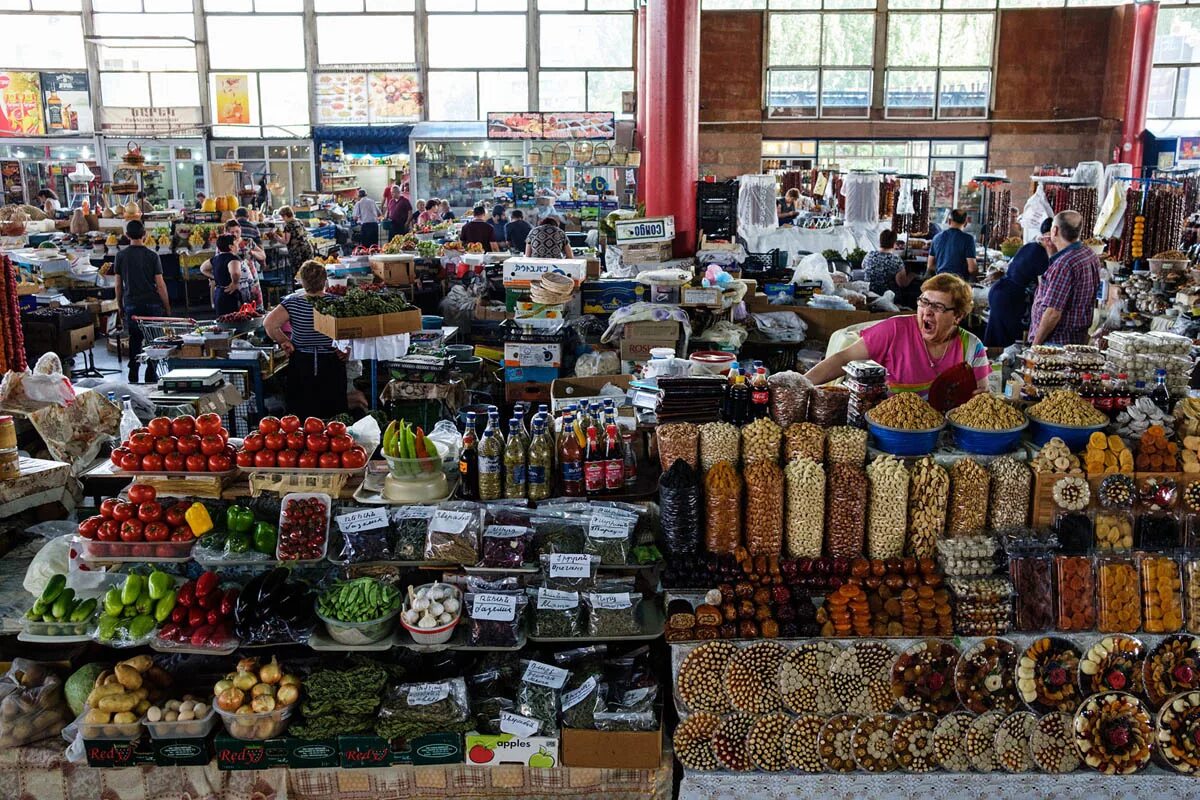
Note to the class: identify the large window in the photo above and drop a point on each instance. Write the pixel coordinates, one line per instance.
(257, 90)
(938, 64)
(1174, 102)
(820, 64)
(586, 59)
(42, 41)
(288, 168)
(147, 53)
(365, 39)
(467, 78)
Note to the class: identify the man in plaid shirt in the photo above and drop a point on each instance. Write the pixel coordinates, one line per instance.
(1066, 295)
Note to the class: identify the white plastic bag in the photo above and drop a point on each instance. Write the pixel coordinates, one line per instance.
(52, 559)
(600, 363)
(814, 267)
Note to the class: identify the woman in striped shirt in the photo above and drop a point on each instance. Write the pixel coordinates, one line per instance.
(316, 374)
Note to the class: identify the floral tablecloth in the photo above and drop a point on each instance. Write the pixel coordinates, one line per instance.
(39, 772)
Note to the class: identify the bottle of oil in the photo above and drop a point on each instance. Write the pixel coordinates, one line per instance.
(541, 461)
(491, 455)
(515, 454)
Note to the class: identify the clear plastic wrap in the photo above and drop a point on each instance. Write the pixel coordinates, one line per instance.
(569, 572)
(411, 526)
(846, 508)
(804, 440)
(610, 535)
(846, 445)
(764, 504)
(614, 609)
(888, 509)
(719, 441)
(506, 546)
(677, 440)
(495, 611)
(557, 614)
(32, 706)
(969, 487)
(539, 694)
(760, 441)
(928, 494)
(805, 508)
(679, 504)
(585, 692)
(723, 506)
(827, 406)
(1011, 485)
(559, 532)
(409, 710)
(790, 393)
(454, 533)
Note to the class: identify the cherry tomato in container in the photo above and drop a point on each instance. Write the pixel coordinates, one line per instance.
(275, 441)
(109, 531)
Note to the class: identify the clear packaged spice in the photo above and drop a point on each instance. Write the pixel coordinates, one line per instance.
(1076, 589)
(411, 526)
(1118, 595)
(454, 533)
(677, 440)
(1162, 593)
(569, 572)
(539, 692)
(764, 504)
(723, 503)
(505, 546)
(610, 535)
(585, 693)
(409, 710)
(495, 609)
(969, 489)
(614, 609)
(557, 614)
(559, 532)
(827, 406)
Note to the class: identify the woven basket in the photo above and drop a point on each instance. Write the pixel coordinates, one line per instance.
(583, 152)
(535, 157)
(561, 154)
(133, 155)
(602, 154)
(634, 159)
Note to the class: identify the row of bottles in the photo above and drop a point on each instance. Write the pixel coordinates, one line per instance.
(747, 394)
(587, 454)
(1114, 395)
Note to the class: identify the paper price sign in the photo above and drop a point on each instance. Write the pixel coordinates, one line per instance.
(517, 725)
(610, 527)
(414, 512)
(505, 531)
(546, 675)
(451, 521)
(613, 601)
(554, 600)
(424, 694)
(494, 607)
(573, 697)
(570, 565)
(365, 520)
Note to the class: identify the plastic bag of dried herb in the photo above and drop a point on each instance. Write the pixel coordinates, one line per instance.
(490, 694)
(584, 692)
(614, 609)
(610, 535)
(556, 614)
(505, 545)
(538, 693)
(559, 532)
(569, 572)
(494, 618)
(415, 709)
(454, 533)
(411, 527)
(621, 720)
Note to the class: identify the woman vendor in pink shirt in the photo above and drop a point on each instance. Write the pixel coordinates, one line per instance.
(916, 349)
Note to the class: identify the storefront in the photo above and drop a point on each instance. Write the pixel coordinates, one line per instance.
(175, 168)
(286, 165)
(455, 161)
(356, 157)
(29, 165)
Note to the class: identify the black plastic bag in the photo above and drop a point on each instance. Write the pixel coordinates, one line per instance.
(679, 503)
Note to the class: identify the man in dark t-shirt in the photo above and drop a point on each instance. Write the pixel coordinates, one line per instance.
(479, 230)
(518, 231)
(141, 291)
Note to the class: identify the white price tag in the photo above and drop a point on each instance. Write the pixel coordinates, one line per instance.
(569, 565)
(573, 697)
(365, 520)
(610, 526)
(546, 675)
(517, 725)
(494, 607)
(505, 531)
(414, 512)
(635, 696)
(451, 521)
(424, 694)
(611, 601)
(553, 600)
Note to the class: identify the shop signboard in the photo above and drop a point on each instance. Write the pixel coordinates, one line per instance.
(21, 104)
(138, 121)
(555, 125)
(394, 97)
(514, 125)
(233, 99)
(645, 229)
(68, 106)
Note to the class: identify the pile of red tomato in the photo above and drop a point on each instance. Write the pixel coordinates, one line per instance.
(183, 444)
(311, 444)
(140, 519)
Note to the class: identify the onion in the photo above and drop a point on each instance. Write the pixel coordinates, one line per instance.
(288, 693)
(271, 672)
(230, 700)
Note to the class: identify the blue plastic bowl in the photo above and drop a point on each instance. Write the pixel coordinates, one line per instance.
(1075, 437)
(904, 443)
(986, 442)
(431, 322)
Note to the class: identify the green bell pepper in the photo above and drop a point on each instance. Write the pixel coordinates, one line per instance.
(265, 538)
(237, 542)
(239, 519)
(141, 626)
(112, 602)
(164, 607)
(107, 627)
(159, 584)
(132, 588)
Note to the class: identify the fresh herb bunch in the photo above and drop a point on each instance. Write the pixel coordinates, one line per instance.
(358, 303)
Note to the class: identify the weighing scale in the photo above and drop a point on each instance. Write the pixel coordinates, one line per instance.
(191, 380)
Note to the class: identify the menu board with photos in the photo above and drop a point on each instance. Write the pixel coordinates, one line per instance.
(556, 125)
(360, 98)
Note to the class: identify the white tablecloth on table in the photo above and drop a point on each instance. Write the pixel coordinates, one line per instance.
(843, 238)
(379, 348)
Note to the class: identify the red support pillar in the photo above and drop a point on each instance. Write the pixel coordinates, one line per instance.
(671, 155)
(639, 136)
(1141, 61)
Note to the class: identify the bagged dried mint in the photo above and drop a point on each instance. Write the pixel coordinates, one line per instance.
(610, 535)
(569, 572)
(615, 719)
(557, 614)
(454, 533)
(538, 693)
(614, 609)
(505, 546)
(409, 710)
(559, 532)
(411, 530)
(679, 502)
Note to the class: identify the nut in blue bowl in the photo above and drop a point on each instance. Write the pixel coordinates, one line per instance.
(1075, 436)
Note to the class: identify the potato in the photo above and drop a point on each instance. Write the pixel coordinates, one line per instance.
(141, 663)
(97, 717)
(124, 718)
(118, 703)
(129, 677)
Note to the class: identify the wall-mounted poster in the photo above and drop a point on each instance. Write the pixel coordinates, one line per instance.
(233, 99)
(341, 98)
(1189, 148)
(395, 97)
(943, 183)
(514, 125)
(582, 125)
(21, 104)
(67, 103)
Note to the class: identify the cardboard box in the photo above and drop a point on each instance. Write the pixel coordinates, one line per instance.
(648, 253)
(181, 752)
(114, 754)
(645, 229)
(529, 310)
(606, 296)
(361, 752)
(484, 311)
(533, 354)
(651, 330)
(191, 351)
(367, 327)
(519, 270)
(313, 753)
(530, 374)
(640, 350)
(611, 749)
(394, 270)
(713, 244)
(239, 754)
(700, 296)
(574, 390)
(82, 339)
(529, 392)
(495, 751)
(593, 268)
(822, 322)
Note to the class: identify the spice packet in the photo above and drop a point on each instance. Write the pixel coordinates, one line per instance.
(585, 691)
(556, 614)
(410, 525)
(409, 710)
(559, 532)
(610, 535)
(360, 535)
(495, 618)
(490, 694)
(614, 609)
(505, 546)
(454, 533)
(569, 572)
(621, 720)
(538, 694)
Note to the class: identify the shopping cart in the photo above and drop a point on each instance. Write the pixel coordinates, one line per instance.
(162, 335)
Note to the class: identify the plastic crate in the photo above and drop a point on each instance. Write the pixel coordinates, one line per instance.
(717, 189)
(775, 259)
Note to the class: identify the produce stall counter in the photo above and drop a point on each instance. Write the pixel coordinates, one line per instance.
(1153, 782)
(41, 770)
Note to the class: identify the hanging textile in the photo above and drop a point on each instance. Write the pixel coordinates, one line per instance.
(756, 210)
(904, 201)
(1111, 173)
(861, 193)
(821, 185)
(1112, 212)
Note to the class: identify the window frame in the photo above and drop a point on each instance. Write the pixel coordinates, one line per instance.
(939, 69)
(820, 66)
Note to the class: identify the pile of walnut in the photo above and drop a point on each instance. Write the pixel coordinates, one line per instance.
(1056, 458)
(1107, 455)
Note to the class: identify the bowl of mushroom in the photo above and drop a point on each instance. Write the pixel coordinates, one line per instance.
(431, 612)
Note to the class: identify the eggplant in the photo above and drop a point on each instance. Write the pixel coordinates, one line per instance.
(272, 587)
(247, 598)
